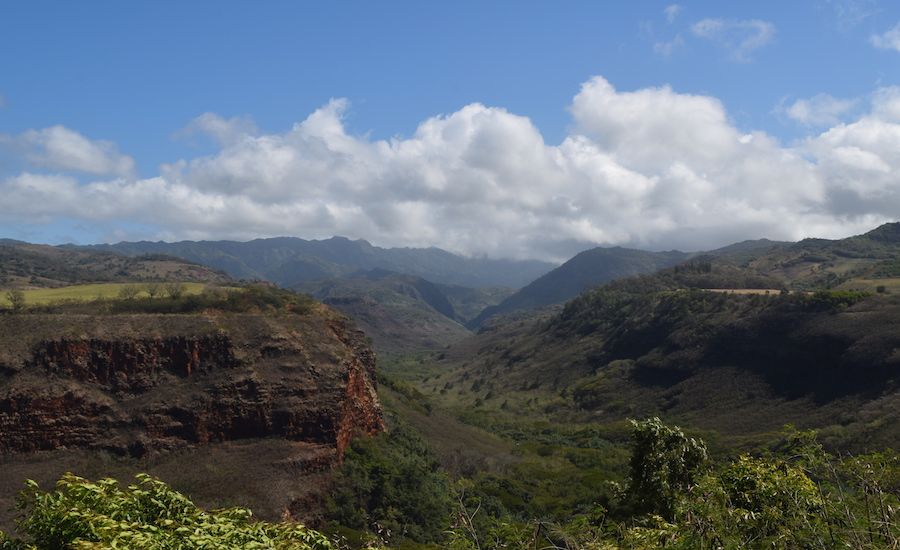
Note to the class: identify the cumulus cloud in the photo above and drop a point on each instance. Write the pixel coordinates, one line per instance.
(741, 38)
(819, 110)
(888, 40)
(60, 148)
(650, 167)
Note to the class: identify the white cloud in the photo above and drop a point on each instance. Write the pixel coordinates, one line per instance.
(60, 148)
(667, 48)
(224, 131)
(888, 40)
(819, 110)
(886, 103)
(740, 37)
(650, 167)
(671, 12)
(850, 13)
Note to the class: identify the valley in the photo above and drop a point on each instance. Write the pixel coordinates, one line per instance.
(450, 275)
(526, 416)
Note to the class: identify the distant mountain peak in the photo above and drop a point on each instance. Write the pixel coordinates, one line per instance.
(889, 232)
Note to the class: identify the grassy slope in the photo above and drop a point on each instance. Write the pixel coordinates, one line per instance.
(86, 293)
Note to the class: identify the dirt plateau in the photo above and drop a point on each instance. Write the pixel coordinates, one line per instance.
(234, 409)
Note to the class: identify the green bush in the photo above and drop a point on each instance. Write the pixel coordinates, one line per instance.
(86, 515)
(664, 464)
(832, 300)
(392, 484)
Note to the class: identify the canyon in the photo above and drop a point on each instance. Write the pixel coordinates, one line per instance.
(266, 399)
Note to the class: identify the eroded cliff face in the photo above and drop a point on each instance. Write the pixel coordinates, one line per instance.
(139, 384)
(140, 387)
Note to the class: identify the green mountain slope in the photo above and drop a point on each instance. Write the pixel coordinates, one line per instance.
(401, 313)
(816, 263)
(586, 270)
(738, 341)
(737, 364)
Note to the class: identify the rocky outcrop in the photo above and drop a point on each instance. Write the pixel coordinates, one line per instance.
(139, 385)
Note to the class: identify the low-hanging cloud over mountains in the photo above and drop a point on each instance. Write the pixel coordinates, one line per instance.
(650, 168)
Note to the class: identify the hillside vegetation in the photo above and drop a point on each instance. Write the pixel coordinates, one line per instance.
(401, 313)
(82, 514)
(154, 298)
(585, 271)
(739, 364)
(520, 436)
(24, 265)
(101, 291)
(822, 263)
(794, 495)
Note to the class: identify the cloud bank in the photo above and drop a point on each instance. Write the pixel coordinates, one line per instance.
(60, 148)
(651, 168)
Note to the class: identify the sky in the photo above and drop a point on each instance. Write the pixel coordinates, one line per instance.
(504, 129)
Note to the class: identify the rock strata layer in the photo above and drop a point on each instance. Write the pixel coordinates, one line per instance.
(139, 384)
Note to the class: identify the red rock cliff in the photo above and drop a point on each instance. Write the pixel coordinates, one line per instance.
(144, 384)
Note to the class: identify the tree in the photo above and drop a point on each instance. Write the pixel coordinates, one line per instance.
(129, 292)
(175, 290)
(153, 289)
(392, 483)
(16, 299)
(664, 465)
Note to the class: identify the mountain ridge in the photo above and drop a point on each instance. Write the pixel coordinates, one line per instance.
(583, 271)
(288, 261)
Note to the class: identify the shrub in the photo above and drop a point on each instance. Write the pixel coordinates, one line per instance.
(129, 292)
(664, 465)
(175, 290)
(82, 514)
(392, 484)
(16, 299)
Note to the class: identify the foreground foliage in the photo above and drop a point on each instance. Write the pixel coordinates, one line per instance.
(82, 514)
(791, 495)
(392, 485)
(794, 495)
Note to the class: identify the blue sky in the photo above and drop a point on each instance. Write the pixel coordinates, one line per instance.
(134, 76)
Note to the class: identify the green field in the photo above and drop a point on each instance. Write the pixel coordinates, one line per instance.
(86, 293)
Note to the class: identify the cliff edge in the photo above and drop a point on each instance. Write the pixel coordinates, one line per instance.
(218, 403)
